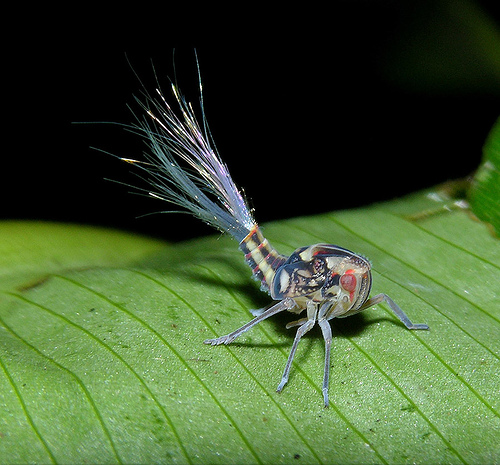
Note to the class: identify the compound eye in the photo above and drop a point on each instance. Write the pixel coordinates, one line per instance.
(348, 281)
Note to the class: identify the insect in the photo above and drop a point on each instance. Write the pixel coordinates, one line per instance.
(183, 167)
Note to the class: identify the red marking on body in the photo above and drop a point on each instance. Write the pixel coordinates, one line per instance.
(348, 281)
(320, 251)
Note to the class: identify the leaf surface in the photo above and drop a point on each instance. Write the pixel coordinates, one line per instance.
(102, 356)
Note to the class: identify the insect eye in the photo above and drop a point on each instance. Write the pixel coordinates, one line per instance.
(348, 282)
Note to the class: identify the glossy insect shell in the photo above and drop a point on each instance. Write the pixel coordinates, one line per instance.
(321, 273)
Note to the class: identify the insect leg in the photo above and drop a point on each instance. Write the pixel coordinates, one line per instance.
(292, 324)
(327, 336)
(285, 304)
(312, 311)
(300, 332)
(394, 307)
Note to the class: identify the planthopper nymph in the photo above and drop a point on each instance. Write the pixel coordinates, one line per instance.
(183, 167)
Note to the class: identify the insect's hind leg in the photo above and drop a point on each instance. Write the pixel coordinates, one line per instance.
(394, 307)
(285, 304)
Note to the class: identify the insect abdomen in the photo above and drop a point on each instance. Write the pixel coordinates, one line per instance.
(261, 257)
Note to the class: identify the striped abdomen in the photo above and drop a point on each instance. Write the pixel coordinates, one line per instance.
(261, 257)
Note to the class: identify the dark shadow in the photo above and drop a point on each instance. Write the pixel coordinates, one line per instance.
(348, 327)
(171, 262)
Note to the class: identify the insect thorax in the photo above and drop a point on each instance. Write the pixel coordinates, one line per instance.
(323, 273)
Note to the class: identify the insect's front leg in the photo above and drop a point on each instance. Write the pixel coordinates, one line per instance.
(305, 326)
(285, 304)
(327, 336)
(394, 307)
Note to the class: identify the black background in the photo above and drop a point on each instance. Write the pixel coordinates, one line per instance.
(312, 110)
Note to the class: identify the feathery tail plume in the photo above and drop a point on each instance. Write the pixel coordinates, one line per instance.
(205, 188)
(184, 169)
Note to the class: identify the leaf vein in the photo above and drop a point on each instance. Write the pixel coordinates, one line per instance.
(178, 355)
(129, 367)
(447, 241)
(71, 373)
(408, 399)
(26, 411)
(439, 358)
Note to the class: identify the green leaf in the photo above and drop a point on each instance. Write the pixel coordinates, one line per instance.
(484, 195)
(29, 252)
(102, 357)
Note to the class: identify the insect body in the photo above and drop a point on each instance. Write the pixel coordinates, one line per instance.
(325, 280)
